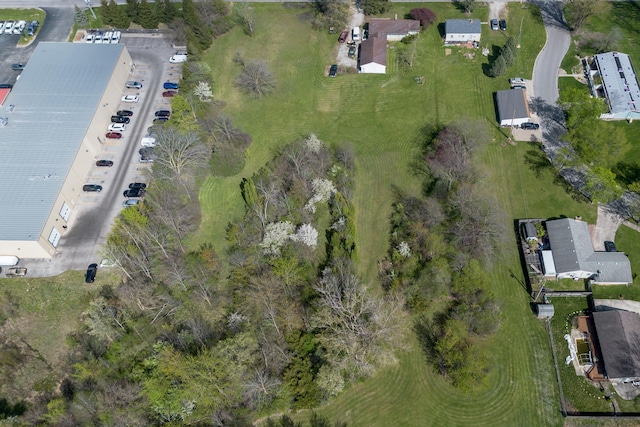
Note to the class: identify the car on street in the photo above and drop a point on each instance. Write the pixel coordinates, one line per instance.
(134, 192)
(529, 126)
(352, 51)
(113, 135)
(120, 119)
(343, 36)
(92, 188)
(17, 67)
(106, 163)
(124, 113)
(130, 202)
(503, 25)
(163, 113)
(333, 70)
(170, 85)
(90, 276)
(133, 85)
(117, 127)
(169, 94)
(130, 98)
(135, 185)
(610, 246)
(17, 272)
(494, 24)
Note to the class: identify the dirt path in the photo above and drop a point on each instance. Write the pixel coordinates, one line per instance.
(496, 9)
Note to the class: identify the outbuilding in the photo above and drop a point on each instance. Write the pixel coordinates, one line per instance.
(512, 107)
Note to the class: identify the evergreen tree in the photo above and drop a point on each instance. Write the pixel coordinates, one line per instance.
(107, 12)
(170, 11)
(498, 68)
(133, 10)
(147, 16)
(119, 17)
(80, 17)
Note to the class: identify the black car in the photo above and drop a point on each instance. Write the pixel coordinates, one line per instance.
(503, 25)
(160, 120)
(333, 70)
(90, 276)
(134, 192)
(136, 185)
(17, 67)
(124, 113)
(6, 86)
(107, 163)
(530, 126)
(92, 188)
(163, 113)
(120, 119)
(610, 246)
(352, 51)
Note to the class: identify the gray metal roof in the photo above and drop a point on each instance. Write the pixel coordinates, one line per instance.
(462, 26)
(512, 104)
(49, 111)
(619, 81)
(619, 335)
(572, 250)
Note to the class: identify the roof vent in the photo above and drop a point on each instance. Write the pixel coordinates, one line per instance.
(3, 121)
(10, 107)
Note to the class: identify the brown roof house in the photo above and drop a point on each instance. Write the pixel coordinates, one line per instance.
(373, 51)
(619, 335)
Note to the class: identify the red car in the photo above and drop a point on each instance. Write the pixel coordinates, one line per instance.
(343, 36)
(113, 135)
(169, 93)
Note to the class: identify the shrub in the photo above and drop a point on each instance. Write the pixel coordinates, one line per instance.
(424, 15)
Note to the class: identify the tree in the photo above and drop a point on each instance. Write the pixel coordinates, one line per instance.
(424, 15)
(147, 16)
(332, 13)
(106, 12)
(375, 7)
(578, 12)
(169, 11)
(133, 8)
(246, 16)
(599, 142)
(602, 186)
(498, 67)
(182, 115)
(256, 79)
(203, 92)
(80, 17)
(118, 16)
(580, 107)
(181, 154)
(468, 5)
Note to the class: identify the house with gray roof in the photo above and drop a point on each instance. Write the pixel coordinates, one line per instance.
(574, 258)
(619, 337)
(512, 107)
(461, 31)
(373, 51)
(613, 78)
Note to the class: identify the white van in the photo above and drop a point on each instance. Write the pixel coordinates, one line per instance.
(9, 260)
(355, 34)
(178, 58)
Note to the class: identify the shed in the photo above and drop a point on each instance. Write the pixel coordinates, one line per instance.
(512, 106)
(461, 31)
(544, 311)
(548, 266)
(529, 232)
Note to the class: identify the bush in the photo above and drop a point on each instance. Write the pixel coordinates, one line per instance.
(424, 15)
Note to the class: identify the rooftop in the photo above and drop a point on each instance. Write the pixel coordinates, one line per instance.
(512, 104)
(619, 81)
(462, 26)
(619, 336)
(374, 49)
(387, 27)
(48, 112)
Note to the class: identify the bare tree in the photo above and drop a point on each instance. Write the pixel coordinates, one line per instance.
(578, 12)
(256, 79)
(247, 17)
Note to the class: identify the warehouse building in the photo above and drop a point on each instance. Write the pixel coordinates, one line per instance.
(55, 115)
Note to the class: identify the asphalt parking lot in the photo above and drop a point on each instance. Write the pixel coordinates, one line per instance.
(93, 216)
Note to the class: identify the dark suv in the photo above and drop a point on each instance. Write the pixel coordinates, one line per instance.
(90, 276)
(163, 113)
(609, 246)
(92, 188)
(120, 119)
(134, 192)
(530, 126)
(137, 185)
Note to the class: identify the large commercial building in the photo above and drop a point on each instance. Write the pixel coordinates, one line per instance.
(56, 115)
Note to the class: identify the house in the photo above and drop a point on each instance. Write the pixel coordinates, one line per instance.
(573, 256)
(373, 51)
(612, 77)
(512, 107)
(618, 333)
(461, 31)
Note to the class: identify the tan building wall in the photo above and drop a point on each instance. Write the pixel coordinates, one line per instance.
(80, 168)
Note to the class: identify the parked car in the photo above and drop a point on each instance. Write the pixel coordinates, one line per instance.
(133, 85)
(169, 94)
(107, 163)
(170, 85)
(160, 120)
(17, 272)
(117, 127)
(148, 141)
(178, 58)
(352, 51)
(343, 36)
(530, 126)
(32, 27)
(120, 119)
(610, 246)
(92, 188)
(113, 135)
(517, 81)
(125, 113)
(163, 113)
(130, 202)
(333, 70)
(90, 276)
(17, 67)
(8, 27)
(6, 86)
(19, 27)
(130, 98)
(134, 192)
(1, 27)
(518, 87)
(494, 24)
(90, 38)
(147, 155)
(503, 25)
(135, 185)
(115, 37)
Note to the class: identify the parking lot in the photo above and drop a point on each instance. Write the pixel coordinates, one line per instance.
(94, 213)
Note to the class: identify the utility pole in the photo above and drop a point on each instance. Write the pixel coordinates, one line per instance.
(88, 2)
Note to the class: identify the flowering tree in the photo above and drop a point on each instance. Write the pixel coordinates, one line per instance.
(404, 249)
(306, 234)
(313, 144)
(322, 190)
(203, 91)
(275, 236)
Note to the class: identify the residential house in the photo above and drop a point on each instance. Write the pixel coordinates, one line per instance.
(618, 333)
(512, 107)
(612, 77)
(373, 51)
(461, 31)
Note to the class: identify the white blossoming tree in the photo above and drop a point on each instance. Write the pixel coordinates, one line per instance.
(404, 249)
(322, 191)
(306, 234)
(203, 91)
(313, 144)
(275, 236)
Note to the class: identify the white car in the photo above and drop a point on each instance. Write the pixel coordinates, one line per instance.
(98, 39)
(18, 28)
(130, 202)
(117, 127)
(148, 141)
(130, 98)
(8, 27)
(90, 38)
(107, 37)
(1, 27)
(115, 37)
